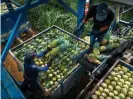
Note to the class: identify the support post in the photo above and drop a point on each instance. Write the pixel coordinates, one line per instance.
(117, 13)
(81, 11)
(11, 37)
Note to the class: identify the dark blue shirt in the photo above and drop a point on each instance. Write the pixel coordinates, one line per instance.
(32, 70)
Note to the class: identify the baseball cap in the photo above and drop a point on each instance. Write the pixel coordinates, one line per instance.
(30, 53)
(102, 11)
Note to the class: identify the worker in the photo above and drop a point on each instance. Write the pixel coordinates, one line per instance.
(102, 16)
(31, 70)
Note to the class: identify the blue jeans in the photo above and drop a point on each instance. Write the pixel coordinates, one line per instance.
(96, 38)
(100, 36)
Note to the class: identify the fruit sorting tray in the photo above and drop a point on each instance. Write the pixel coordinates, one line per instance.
(72, 75)
(130, 67)
(29, 41)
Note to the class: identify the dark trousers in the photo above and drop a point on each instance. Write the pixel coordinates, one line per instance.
(30, 85)
(96, 38)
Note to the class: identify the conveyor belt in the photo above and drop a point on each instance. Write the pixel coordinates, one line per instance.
(125, 2)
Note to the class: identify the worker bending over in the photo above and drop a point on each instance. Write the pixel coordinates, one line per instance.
(102, 16)
(31, 70)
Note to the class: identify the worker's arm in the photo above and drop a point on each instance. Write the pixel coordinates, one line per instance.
(89, 15)
(38, 68)
(44, 52)
(104, 28)
(45, 68)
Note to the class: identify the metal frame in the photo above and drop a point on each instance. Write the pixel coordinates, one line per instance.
(99, 83)
(70, 76)
(45, 31)
(11, 38)
(119, 4)
(9, 88)
(81, 13)
(85, 89)
(124, 11)
(125, 2)
(20, 12)
(28, 5)
(101, 67)
(8, 24)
